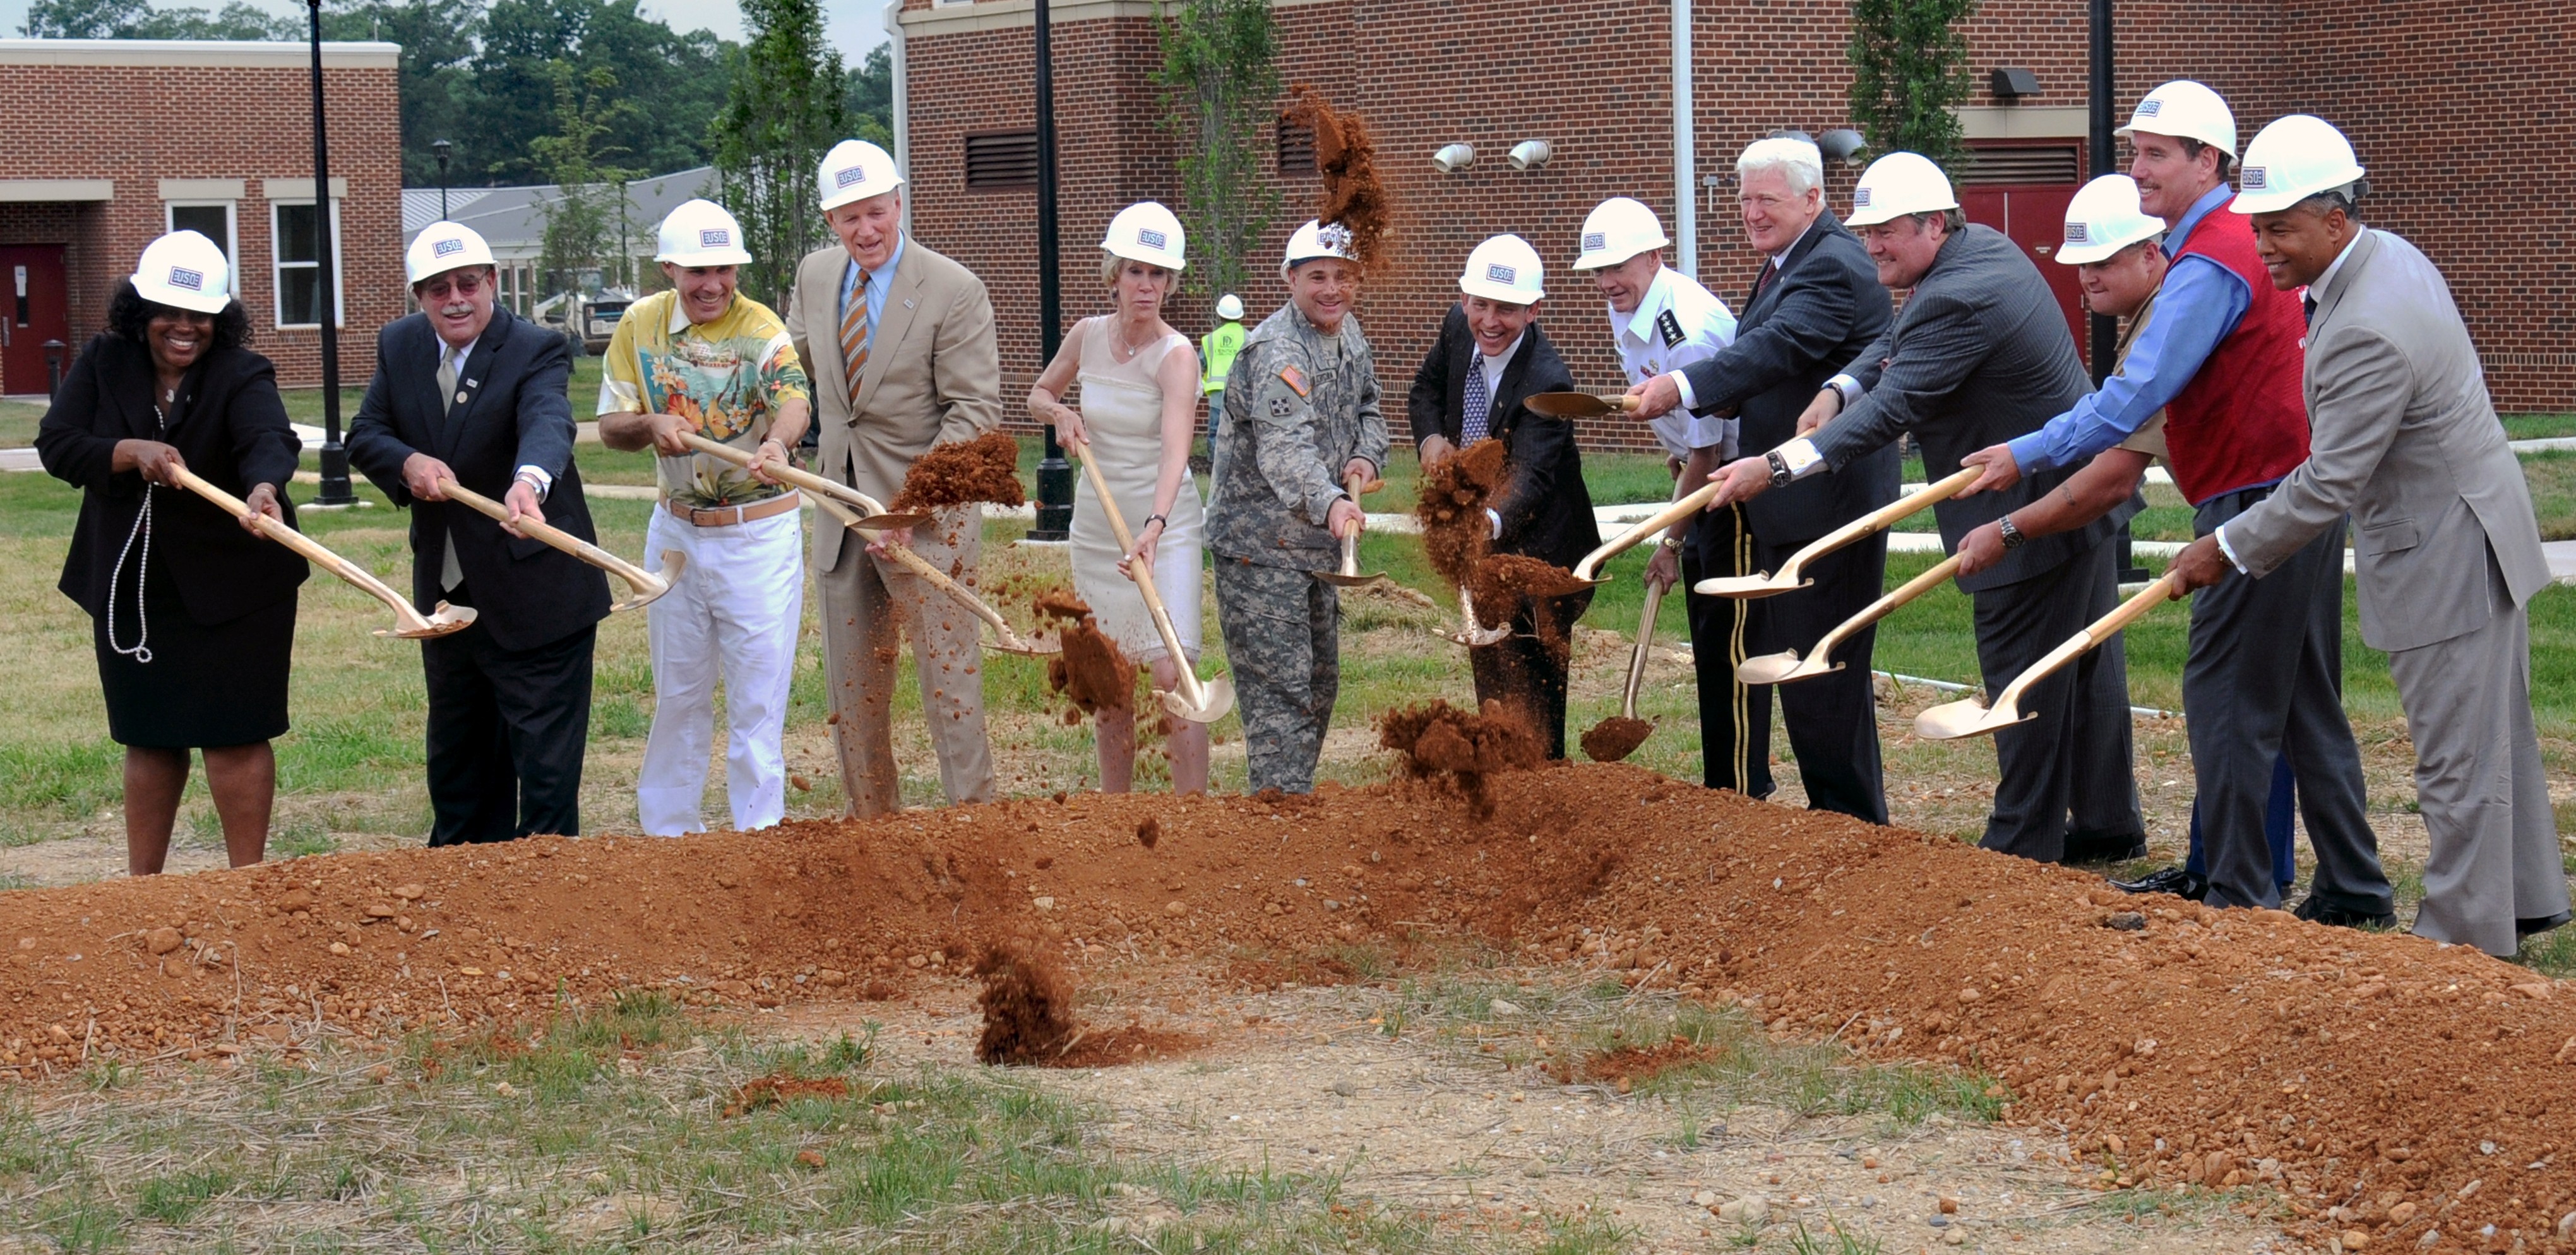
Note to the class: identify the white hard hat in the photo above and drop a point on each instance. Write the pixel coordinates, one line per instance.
(1229, 307)
(2291, 160)
(701, 233)
(1504, 268)
(2187, 110)
(1617, 229)
(1899, 184)
(442, 247)
(855, 170)
(185, 270)
(2104, 218)
(1316, 240)
(1146, 232)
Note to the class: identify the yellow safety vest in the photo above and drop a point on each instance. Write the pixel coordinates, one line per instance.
(1216, 352)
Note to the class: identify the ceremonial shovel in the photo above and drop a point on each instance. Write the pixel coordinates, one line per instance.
(876, 519)
(1624, 541)
(1969, 717)
(642, 586)
(1349, 576)
(410, 623)
(1782, 667)
(1788, 577)
(1006, 641)
(1645, 646)
(1198, 702)
(1578, 405)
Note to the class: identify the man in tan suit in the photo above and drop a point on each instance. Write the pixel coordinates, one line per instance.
(2445, 549)
(899, 341)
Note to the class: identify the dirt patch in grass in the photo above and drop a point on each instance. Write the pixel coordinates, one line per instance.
(1625, 1067)
(778, 1088)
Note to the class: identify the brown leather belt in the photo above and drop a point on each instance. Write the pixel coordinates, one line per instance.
(728, 515)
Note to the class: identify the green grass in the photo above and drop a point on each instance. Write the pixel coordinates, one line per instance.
(2539, 426)
(2552, 477)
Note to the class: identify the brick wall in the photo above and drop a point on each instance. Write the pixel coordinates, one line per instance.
(2437, 101)
(140, 124)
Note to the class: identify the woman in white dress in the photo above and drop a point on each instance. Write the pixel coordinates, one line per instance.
(1140, 397)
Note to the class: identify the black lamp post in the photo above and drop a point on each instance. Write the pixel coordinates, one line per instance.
(1055, 475)
(2106, 330)
(440, 147)
(335, 457)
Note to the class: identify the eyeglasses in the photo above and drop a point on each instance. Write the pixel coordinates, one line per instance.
(463, 285)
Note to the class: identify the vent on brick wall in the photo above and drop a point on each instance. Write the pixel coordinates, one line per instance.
(2055, 163)
(1003, 159)
(1296, 148)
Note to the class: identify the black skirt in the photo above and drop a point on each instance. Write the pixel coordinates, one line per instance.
(217, 685)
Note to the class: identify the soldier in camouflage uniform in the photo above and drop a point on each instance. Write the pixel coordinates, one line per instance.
(1301, 416)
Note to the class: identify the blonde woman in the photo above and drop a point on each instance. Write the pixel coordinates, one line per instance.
(1140, 395)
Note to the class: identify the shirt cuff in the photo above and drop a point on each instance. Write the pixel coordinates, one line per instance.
(2030, 453)
(1849, 387)
(2230, 551)
(1681, 380)
(1497, 521)
(545, 482)
(1802, 458)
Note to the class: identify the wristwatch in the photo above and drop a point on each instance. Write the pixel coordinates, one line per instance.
(1780, 476)
(1671, 542)
(2013, 539)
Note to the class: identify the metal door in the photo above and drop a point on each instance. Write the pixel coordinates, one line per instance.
(34, 307)
(2035, 218)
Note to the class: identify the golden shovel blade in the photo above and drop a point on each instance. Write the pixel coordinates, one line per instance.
(888, 522)
(1577, 405)
(1747, 587)
(1218, 691)
(673, 561)
(1967, 717)
(1783, 667)
(446, 620)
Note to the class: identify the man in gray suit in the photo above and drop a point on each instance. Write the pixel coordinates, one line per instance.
(2405, 439)
(1980, 354)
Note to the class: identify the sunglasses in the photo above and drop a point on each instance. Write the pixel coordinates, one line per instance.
(462, 285)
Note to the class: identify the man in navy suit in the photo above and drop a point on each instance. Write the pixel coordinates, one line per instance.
(1816, 305)
(465, 393)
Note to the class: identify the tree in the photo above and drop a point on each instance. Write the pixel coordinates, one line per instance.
(1219, 74)
(582, 219)
(1909, 68)
(684, 75)
(869, 99)
(785, 109)
(136, 19)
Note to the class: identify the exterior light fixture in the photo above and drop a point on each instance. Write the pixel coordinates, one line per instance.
(2012, 82)
(1453, 158)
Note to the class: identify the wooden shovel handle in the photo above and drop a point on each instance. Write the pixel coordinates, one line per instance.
(1144, 575)
(806, 480)
(312, 549)
(1645, 646)
(921, 566)
(1880, 519)
(1941, 572)
(1624, 541)
(637, 578)
(2093, 635)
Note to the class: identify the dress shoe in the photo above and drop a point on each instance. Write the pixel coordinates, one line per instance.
(2177, 881)
(2103, 847)
(2541, 924)
(2311, 909)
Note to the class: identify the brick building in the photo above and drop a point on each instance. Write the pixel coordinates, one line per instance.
(2463, 115)
(111, 143)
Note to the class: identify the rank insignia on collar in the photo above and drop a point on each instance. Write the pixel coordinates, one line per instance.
(1295, 379)
(1670, 328)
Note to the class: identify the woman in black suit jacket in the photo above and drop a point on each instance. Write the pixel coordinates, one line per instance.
(193, 612)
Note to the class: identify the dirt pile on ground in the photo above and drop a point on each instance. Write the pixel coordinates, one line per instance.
(1615, 738)
(985, 468)
(769, 1091)
(1439, 742)
(1355, 198)
(1091, 673)
(2384, 1085)
(1451, 507)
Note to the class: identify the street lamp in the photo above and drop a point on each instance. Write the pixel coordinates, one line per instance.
(335, 458)
(440, 147)
(1055, 475)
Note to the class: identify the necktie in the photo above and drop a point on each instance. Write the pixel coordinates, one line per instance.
(1480, 404)
(1770, 271)
(2308, 306)
(449, 574)
(855, 330)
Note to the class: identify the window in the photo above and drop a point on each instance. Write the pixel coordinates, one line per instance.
(2020, 165)
(212, 219)
(295, 241)
(1008, 159)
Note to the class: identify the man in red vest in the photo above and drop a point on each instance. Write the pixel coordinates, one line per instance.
(2263, 678)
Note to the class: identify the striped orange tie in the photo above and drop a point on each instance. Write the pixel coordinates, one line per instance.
(854, 338)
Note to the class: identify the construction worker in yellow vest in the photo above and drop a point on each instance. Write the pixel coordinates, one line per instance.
(1216, 356)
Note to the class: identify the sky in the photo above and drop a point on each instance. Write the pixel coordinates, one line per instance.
(855, 25)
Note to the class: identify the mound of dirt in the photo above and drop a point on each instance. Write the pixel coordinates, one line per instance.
(1438, 741)
(1451, 506)
(985, 468)
(1091, 672)
(1615, 738)
(778, 1087)
(2381, 1084)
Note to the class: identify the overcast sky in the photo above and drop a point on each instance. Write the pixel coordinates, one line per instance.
(856, 25)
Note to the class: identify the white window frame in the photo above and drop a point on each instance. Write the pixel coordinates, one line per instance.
(278, 267)
(232, 228)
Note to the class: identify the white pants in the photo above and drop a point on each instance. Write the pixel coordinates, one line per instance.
(734, 609)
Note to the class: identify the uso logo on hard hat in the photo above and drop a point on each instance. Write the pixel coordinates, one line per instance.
(441, 248)
(2151, 107)
(1595, 241)
(715, 237)
(1151, 238)
(1860, 198)
(2078, 233)
(182, 277)
(854, 174)
(2253, 179)
(1496, 272)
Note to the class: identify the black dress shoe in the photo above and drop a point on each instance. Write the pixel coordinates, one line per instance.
(2177, 881)
(2542, 924)
(2103, 847)
(2310, 908)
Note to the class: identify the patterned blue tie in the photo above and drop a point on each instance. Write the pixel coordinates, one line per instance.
(1480, 404)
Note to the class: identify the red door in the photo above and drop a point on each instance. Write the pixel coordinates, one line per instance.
(2035, 218)
(34, 307)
